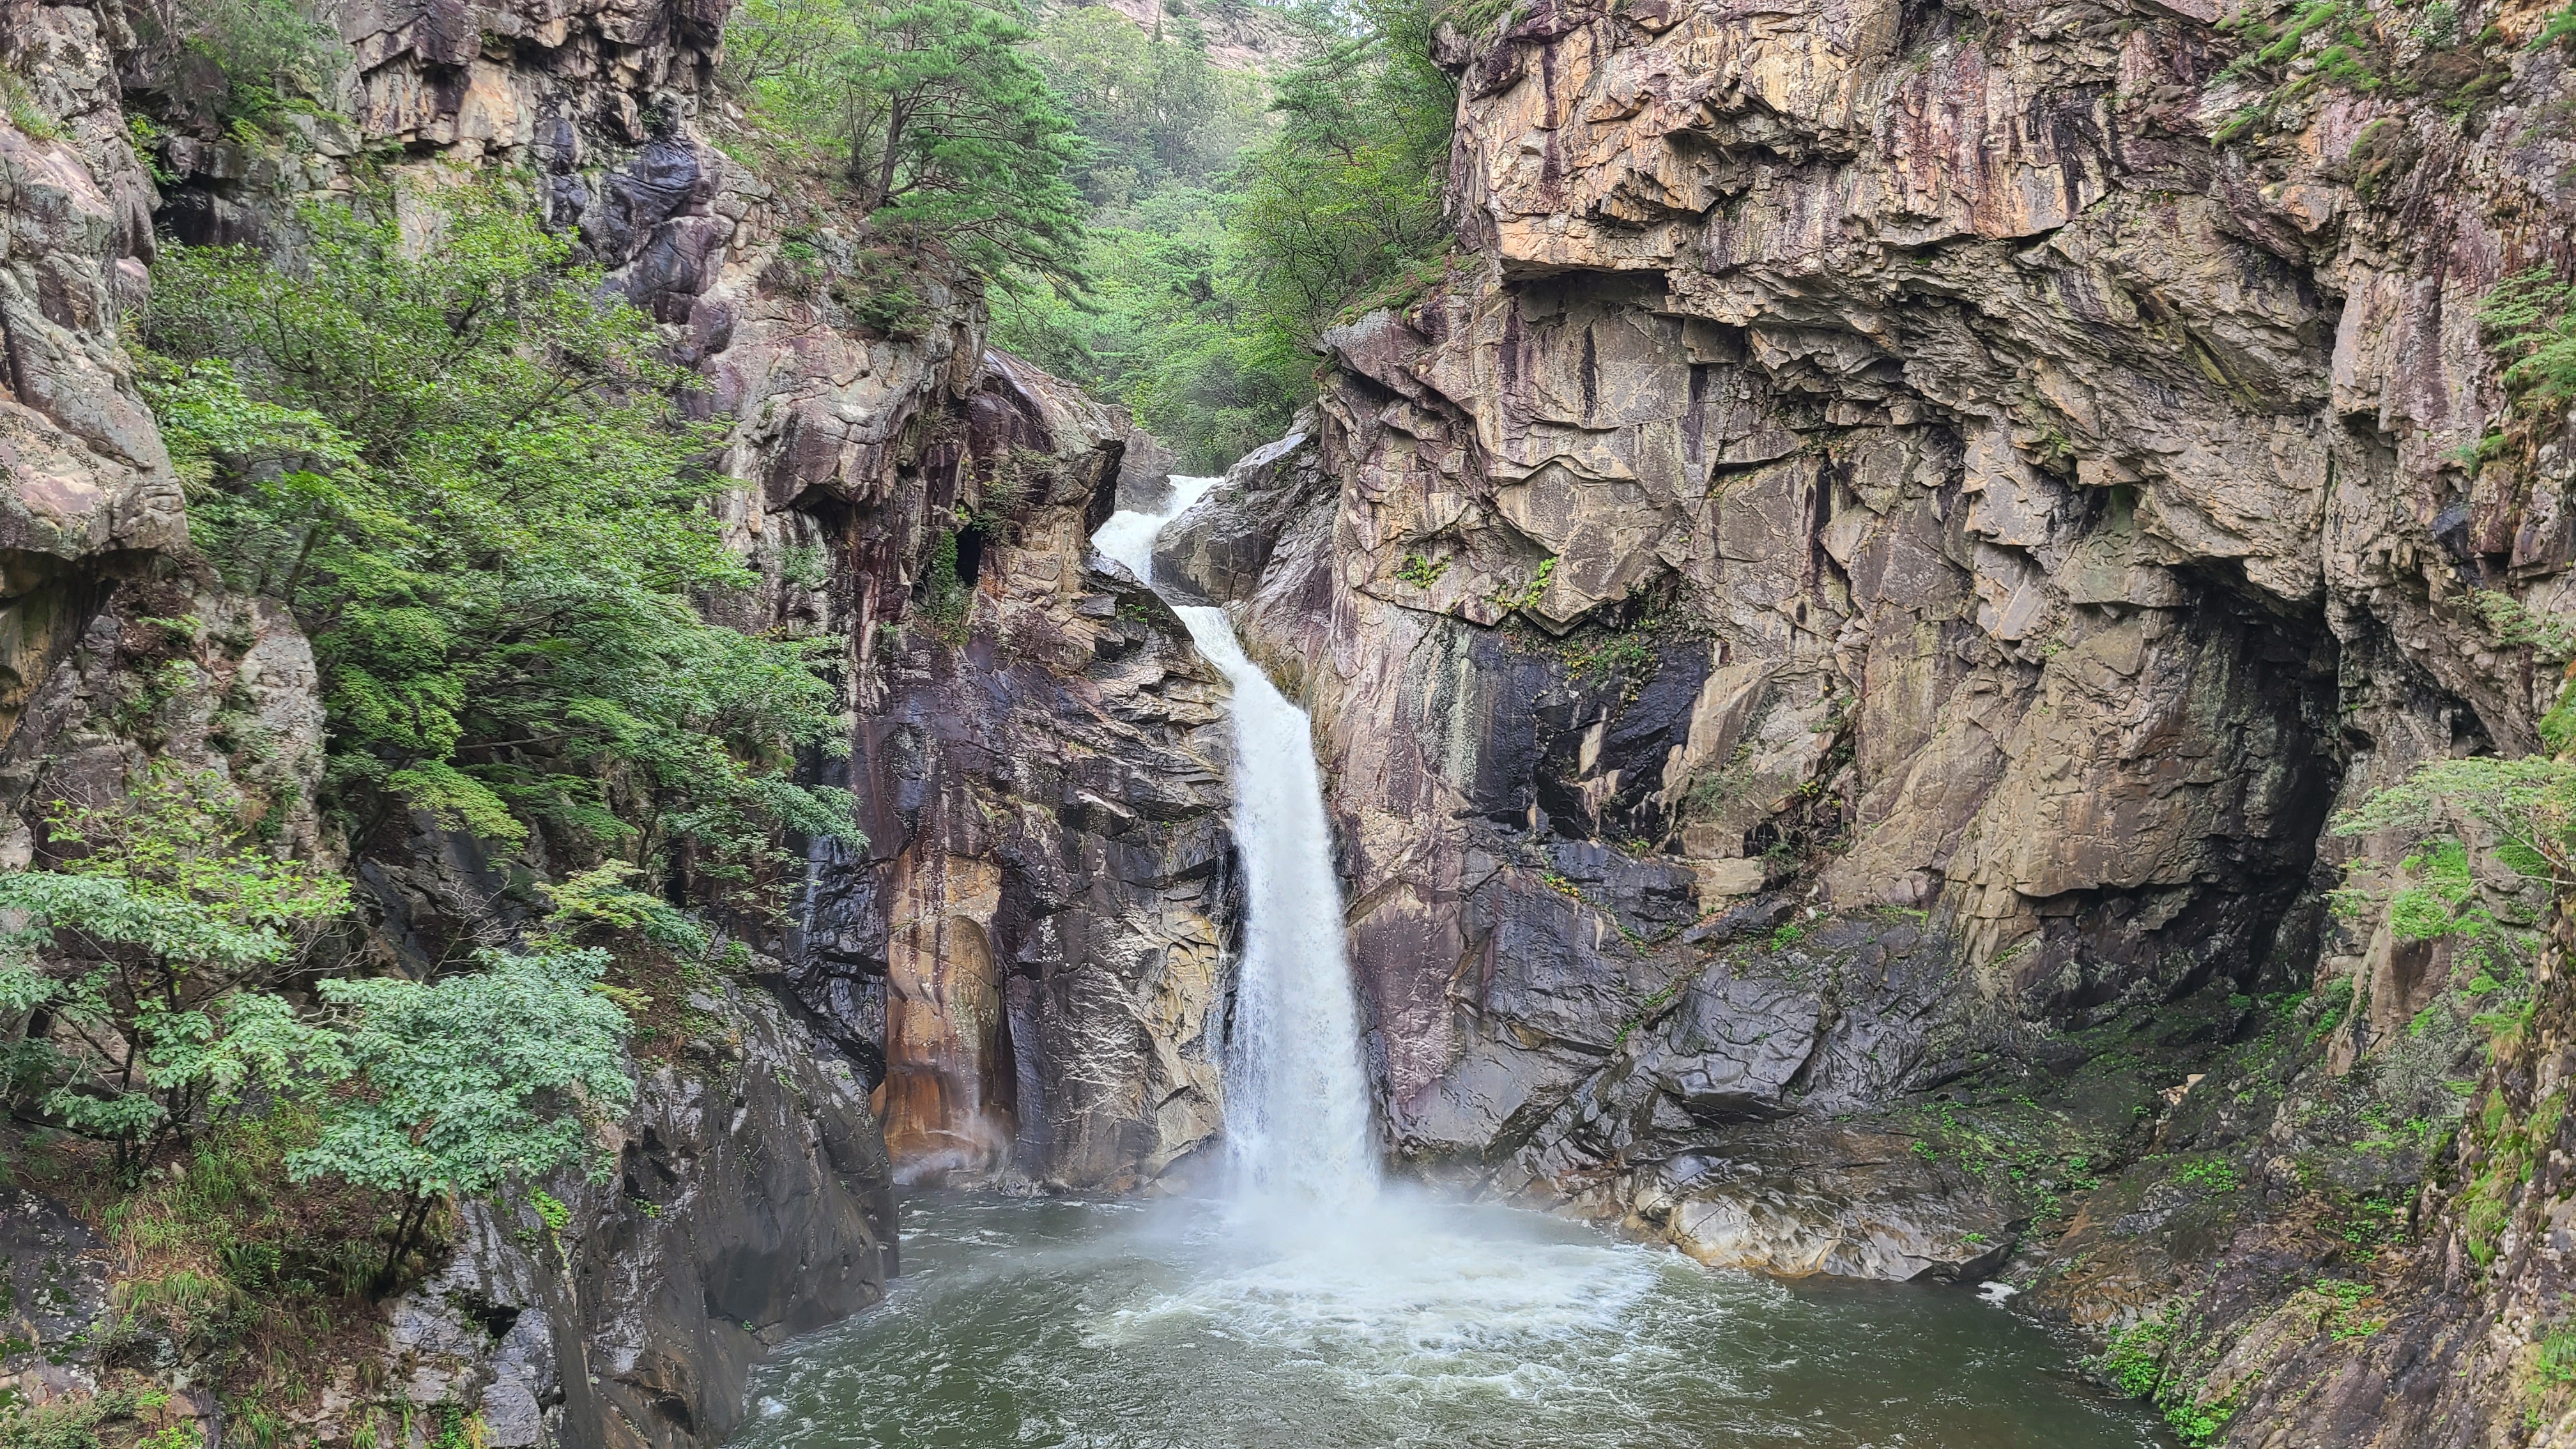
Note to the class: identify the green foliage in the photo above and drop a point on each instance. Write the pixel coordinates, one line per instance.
(2137, 1361)
(2553, 1365)
(2214, 1175)
(2343, 1317)
(2334, 1003)
(1350, 191)
(2435, 894)
(1217, 274)
(1421, 572)
(2551, 636)
(1527, 596)
(1155, 112)
(2530, 803)
(602, 898)
(454, 1430)
(252, 1279)
(2428, 907)
(2509, 1149)
(878, 294)
(148, 949)
(2561, 26)
(2375, 1222)
(468, 475)
(1670, 993)
(2272, 40)
(945, 596)
(68, 1423)
(462, 1085)
(2530, 318)
(2132, 1360)
(943, 128)
(19, 100)
(268, 53)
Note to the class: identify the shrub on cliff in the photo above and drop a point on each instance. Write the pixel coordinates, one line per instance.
(2531, 319)
(470, 476)
(495, 1074)
(2525, 810)
(231, 62)
(138, 991)
(943, 128)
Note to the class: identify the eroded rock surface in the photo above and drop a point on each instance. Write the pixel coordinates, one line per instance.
(85, 485)
(750, 1201)
(1032, 944)
(1852, 607)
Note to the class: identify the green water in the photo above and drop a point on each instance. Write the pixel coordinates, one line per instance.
(1199, 1326)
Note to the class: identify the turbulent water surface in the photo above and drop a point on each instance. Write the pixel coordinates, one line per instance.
(1186, 1326)
(1313, 1307)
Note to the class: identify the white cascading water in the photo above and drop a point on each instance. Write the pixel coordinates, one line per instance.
(1297, 1115)
(1315, 1308)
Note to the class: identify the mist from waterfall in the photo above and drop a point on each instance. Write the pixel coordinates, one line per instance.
(1297, 1113)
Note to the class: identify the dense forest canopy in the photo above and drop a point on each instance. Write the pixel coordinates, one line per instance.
(1166, 230)
(1244, 232)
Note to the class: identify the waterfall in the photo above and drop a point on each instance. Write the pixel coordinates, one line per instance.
(1297, 1115)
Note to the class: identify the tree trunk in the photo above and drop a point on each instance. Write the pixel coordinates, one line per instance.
(415, 1215)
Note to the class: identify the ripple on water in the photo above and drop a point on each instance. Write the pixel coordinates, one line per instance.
(1189, 1326)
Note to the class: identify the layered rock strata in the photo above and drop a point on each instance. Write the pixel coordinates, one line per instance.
(1838, 630)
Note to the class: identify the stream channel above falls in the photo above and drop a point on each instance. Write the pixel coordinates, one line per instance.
(1317, 1306)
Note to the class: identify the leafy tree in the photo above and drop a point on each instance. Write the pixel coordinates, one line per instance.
(602, 900)
(2529, 803)
(161, 933)
(1349, 194)
(944, 129)
(1155, 111)
(470, 477)
(460, 1086)
(1210, 291)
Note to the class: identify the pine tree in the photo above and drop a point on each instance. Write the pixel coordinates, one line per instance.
(949, 133)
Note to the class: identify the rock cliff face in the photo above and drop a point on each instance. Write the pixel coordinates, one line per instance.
(1854, 602)
(1019, 976)
(1031, 945)
(89, 485)
(753, 1194)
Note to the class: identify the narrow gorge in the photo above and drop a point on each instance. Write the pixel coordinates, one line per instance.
(1865, 744)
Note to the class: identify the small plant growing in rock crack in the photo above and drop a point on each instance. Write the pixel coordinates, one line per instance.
(2342, 1316)
(1528, 597)
(1654, 1004)
(1421, 572)
(2210, 1176)
(2553, 1367)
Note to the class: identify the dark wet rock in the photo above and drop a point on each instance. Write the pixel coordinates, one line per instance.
(751, 1201)
(1214, 553)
